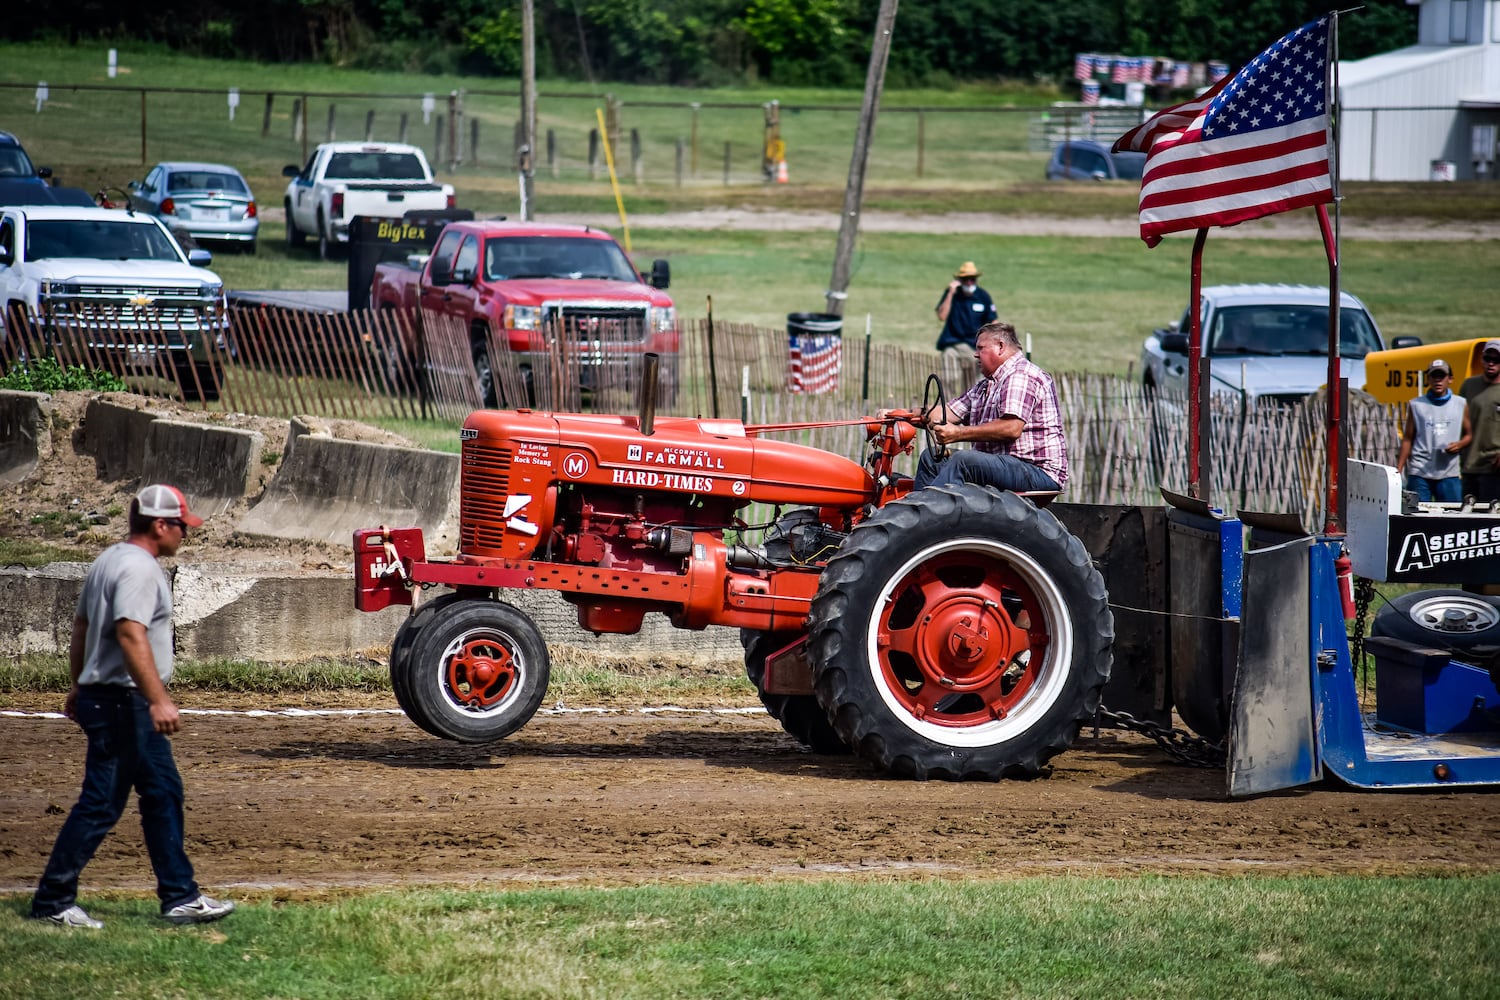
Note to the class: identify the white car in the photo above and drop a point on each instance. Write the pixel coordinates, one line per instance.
(345, 179)
(1267, 342)
(114, 285)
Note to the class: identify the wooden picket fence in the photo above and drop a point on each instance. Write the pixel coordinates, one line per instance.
(1122, 444)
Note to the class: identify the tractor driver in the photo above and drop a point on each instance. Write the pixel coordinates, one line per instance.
(1011, 418)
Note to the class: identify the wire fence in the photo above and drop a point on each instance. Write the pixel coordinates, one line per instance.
(1122, 442)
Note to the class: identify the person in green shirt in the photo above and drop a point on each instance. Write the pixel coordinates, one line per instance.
(1481, 466)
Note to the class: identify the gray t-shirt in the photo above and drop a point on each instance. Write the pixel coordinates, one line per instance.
(1437, 425)
(124, 582)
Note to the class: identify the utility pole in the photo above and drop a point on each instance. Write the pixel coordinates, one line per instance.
(854, 191)
(526, 164)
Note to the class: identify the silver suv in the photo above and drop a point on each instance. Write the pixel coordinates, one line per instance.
(1266, 342)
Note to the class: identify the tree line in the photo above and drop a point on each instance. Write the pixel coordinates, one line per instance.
(936, 43)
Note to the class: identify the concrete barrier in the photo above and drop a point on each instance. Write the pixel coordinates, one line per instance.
(115, 429)
(272, 611)
(213, 465)
(25, 434)
(325, 488)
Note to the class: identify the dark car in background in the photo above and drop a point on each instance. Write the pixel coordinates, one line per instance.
(209, 201)
(1086, 160)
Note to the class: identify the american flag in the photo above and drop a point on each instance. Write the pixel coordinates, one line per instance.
(1090, 92)
(1083, 66)
(1122, 70)
(1253, 145)
(813, 364)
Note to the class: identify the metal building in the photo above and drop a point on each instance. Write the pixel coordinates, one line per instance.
(1428, 111)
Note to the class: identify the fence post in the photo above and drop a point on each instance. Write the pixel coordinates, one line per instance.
(635, 153)
(437, 139)
(726, 164)
(453, 131)
(694, 167)
(401, 130)
(921, 141)
(593, 154)
(680, 150)
(143, 126)
(552, 152)
(369, 125)
(332, 111)
(474, 140)
(612, 124)
(265, 123)
(302, 127)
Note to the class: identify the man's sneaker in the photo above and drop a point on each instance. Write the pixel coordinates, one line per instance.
(73, 916)
(198, 911)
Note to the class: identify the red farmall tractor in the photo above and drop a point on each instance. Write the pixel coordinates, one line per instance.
(956, 633)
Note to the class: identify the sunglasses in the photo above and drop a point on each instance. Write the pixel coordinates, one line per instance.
(177, 523)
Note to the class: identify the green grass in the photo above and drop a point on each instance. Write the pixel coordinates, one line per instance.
(579, 676)
(1106, 938)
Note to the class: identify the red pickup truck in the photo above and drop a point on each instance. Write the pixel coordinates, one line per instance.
(534, 283)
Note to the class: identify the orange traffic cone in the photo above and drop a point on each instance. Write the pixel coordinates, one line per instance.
(780, 171)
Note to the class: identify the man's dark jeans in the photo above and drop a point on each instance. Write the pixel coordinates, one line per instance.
(1005, 472)
(124, 752)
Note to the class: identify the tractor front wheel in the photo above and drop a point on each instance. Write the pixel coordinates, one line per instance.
(476, 671)
(960, 633)
(799, 714)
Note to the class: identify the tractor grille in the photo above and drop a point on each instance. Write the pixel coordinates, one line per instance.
(484, 474)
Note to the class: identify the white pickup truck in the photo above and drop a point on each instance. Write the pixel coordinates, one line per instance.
(112, 288)
(345, 179)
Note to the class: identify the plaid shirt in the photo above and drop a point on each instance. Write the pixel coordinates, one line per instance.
(1019, 389)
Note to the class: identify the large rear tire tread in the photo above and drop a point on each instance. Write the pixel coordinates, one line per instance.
(800, 715)
(477, 671)
(975, 535)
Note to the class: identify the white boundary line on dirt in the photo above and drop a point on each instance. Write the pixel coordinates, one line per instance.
(325, 712)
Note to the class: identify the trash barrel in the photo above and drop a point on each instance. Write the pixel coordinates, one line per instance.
(815, 342)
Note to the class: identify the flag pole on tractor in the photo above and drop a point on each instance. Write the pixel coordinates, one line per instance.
(1257, 143)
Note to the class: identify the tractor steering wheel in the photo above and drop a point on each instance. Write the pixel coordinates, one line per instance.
(934, 387)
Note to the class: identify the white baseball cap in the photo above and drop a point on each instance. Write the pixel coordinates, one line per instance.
(160, 500)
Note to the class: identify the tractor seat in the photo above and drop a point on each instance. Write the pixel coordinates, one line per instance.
(1039, 497)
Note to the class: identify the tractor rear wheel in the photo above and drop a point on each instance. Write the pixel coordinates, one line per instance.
(799, 714)
(960, 633)
(476, 672)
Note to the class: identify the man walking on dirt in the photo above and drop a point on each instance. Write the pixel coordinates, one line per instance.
(120, 658)
(963, 309)
(1010, 416)
(1481, 468)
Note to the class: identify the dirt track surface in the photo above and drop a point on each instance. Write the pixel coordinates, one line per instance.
(310, 803)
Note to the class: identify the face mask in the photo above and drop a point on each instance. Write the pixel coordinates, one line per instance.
(968, 286)
(1439, 395)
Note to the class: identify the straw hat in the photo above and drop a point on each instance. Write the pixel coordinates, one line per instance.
(967, 271)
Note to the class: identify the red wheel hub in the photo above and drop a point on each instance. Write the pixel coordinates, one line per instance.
(481, 673)
(957, 642)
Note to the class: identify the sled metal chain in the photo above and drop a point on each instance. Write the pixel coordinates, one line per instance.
(1191, 750)
(1364, 596)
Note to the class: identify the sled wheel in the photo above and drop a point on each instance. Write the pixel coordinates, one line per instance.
(799, 714)
(1454, 620)
(477, 671)
(401, 647)
(960, 633)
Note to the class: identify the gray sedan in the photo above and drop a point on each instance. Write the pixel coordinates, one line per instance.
(209, 201)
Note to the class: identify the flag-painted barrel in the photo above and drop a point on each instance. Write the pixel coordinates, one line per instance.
(815, 349)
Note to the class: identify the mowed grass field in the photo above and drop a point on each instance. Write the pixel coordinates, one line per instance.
(1087, 302)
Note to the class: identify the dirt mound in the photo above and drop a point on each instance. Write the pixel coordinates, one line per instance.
(66, 503)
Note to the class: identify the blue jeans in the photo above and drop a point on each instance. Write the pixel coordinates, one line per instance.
(1448, 490)
(125, 751)
(1005, 472)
